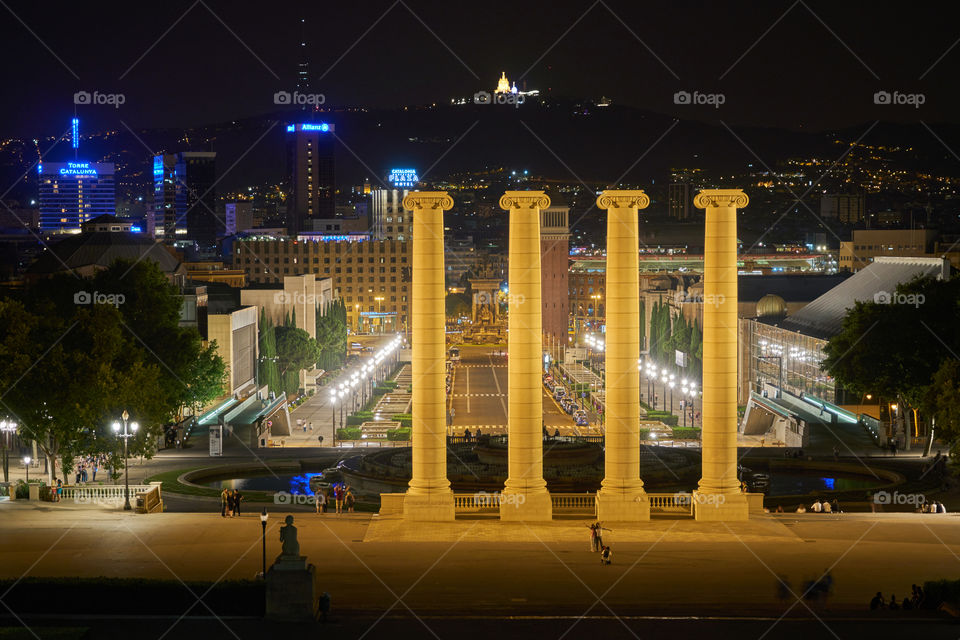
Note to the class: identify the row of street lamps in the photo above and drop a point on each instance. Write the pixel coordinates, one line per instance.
(687, 388)
(358, 381)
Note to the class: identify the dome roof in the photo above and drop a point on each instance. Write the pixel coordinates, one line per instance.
(771, 305)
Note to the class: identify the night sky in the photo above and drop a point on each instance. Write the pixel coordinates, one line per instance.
(809, 66)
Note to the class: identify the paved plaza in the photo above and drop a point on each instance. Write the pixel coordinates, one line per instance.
(664, 567)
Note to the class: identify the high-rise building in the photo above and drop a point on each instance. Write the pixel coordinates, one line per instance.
(72, 193)
(554, 269)
(678, 200)
(310, 163)
(388, 220)
(238, 216)
(845, 207)
(184, 199)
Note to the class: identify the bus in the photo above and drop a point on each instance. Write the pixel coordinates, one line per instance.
(455, 354)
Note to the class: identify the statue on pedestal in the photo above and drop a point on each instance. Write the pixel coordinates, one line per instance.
(288, 536)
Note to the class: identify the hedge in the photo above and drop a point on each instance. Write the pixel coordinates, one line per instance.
(405, 419)
(401, 434)
(348, 433)
(358, 418)
(665, 417)
(686, 433)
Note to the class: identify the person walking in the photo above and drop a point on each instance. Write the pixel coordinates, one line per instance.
(231, 503)
(224, 502)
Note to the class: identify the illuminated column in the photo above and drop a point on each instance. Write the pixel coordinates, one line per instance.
(429, 496)
(525, 494)
(718, 496)
(621, 496)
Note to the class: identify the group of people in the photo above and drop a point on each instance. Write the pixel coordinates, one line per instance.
(87, 467)
(305, 425)
(933, 507)
(230, 503)
(913, 602)
(339, 493)
(825, 506)
(469, 436)
(596, 542)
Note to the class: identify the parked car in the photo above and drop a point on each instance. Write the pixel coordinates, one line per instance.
(559, 392)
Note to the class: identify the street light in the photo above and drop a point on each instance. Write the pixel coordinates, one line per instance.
(263, 539)
(129, 429)
(26, 464)
(7, 429)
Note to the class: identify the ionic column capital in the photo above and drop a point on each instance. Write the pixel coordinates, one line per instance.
(428, 200)
(524, 200)
(623, 199)
(721, 198)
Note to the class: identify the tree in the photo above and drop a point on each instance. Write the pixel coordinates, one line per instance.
(457, 305)
(942, 402)
(296, 350)
(893, 347)
(269, 374)
(88, 361)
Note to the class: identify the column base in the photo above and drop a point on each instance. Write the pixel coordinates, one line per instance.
(526, 507)
(720, 507)
(614, 506)
(429, 507)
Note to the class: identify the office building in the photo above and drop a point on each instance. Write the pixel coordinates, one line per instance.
(184, 197)
(868, 244)
(71, 193)
(372, 277)
(310, 163)
(238, 216)
(679, 199)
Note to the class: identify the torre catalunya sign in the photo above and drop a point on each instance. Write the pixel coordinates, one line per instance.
(621, 497)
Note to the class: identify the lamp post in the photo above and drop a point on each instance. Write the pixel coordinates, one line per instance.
(26, 465)
(263, 539)
(7, 429)
(129, 429)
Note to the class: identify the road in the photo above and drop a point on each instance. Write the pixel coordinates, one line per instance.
(479, 394)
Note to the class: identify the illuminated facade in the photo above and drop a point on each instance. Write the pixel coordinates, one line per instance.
(372, 277)
(311, 168)
(183, 196)
(71, 193)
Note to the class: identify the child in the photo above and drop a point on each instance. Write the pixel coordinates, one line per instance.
(605, 555)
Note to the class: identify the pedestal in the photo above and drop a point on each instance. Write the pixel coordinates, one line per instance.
(719, 507)
(517, 506)
(292, 590)
(436, 506)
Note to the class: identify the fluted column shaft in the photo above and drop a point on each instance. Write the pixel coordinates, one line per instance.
(429, 496)
(622, 298)
(719, 476)
(525, 485)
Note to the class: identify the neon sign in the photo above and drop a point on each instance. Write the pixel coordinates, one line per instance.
(323, 127)
(75, 132)
(157, 167)
(78, 169)
(403, 177)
